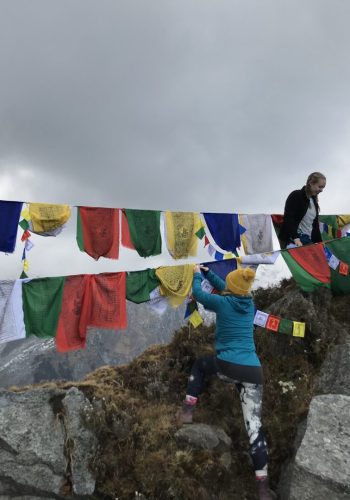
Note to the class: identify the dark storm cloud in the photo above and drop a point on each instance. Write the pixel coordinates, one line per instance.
(191, 105)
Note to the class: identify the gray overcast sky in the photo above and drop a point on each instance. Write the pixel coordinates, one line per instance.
(182, 105)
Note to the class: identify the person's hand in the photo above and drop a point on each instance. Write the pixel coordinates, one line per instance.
(298, 242)
(204, 268)
(196, 269)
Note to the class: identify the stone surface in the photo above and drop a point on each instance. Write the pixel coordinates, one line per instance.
(83, 444)
(335, 374)
(322, 463)
(203, 436)
(43, 441)
(31, 441)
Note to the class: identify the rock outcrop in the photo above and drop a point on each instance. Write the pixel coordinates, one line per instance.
(45, 448)
(321, 465)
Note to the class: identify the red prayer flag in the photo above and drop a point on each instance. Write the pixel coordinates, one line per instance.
(26, 234)
(90, 300)
(343, 268)
(273, 323)
(313, 259)
(67, 335)
(100, 228)
(126, 238)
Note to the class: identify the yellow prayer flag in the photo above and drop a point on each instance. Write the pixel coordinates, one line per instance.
(343, 220)
(46, 217)
(25, 265)
(25, 214)
(181, 228)
(175, 282)
(298, 329)
(195, 319)
(228, 255)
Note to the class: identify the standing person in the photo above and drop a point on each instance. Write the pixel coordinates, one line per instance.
(235, 360)
(300, 221)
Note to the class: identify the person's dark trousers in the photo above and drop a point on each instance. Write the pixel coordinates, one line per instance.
(202, 368)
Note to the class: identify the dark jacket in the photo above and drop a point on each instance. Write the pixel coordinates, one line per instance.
(296, 207)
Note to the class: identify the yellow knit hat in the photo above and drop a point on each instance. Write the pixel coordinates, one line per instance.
(240, 281)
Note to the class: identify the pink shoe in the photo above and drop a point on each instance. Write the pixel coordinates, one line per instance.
(264, 491)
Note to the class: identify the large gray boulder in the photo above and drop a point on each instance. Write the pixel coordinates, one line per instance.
(335, 373)
(44, 445)
(321, 468)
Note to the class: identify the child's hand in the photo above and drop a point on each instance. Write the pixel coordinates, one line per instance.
(204, 268)
(196, 269)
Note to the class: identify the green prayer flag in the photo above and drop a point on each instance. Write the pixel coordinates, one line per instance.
(42, 302)
(24, 224)
(286, 326)
(79, 236)
(200, 233)
(340, 284)
(139, 285)
(144, 228)
(332, 223)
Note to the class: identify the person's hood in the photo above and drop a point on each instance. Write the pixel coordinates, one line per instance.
(241, 303)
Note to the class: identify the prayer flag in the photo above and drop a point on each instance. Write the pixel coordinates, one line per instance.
(224, 229)
(340, 283)
(25, 235)
(343, 268)
(260, 318)
(286, 327)
(98, 231)
(9, 217)
(273, 323)
(309, 266)
(48, 219)
(298, 329)
(219, 256)
(211, 250)
(139, 285)
(24, 224)
(190, 308)
(222, 267)
(42, 300)
(176, 282)
(195, 319)
(200, 233)
(144, 229)
(333, 262)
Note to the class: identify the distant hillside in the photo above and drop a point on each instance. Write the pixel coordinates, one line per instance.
(33, 360)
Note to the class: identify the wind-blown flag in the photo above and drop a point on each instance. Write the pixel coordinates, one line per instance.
(47, 219)
(311, 268)
(224, 228)
(98, 231)
(62, 307)
(340, 283)
(144, 231)
(222, 267)
(308, 265)
(42, 301)
(9, 218)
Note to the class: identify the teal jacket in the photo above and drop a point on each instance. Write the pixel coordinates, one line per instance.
(234, 334)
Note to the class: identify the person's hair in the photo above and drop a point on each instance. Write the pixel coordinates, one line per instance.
(312, 179)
